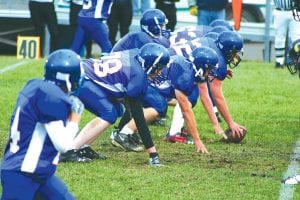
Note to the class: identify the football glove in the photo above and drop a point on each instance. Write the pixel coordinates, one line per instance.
(77, 105)
(193, 10)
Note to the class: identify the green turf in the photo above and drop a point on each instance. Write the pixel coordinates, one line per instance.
(260, 97)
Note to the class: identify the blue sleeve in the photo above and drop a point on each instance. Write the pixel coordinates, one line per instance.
(53, 105)
(181, 75)
(132, 40)
(137, 85)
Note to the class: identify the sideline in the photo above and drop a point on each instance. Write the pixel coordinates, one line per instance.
(13, 66)
(287, 191)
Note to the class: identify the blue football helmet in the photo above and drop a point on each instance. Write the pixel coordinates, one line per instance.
(154, 57)
(153, 22)
(218, 29)
(212, 35)
(220, 22)
(293, 58)
(205, 61)
(231, 45)
(63, 67)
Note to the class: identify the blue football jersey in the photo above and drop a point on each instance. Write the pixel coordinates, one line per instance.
(29, 148)
(137, 40)
(179, 75)
(95, 9)
(185, 49)
(119, 74)
(188, 33)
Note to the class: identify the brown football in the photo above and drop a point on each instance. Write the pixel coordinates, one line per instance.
(233, 139)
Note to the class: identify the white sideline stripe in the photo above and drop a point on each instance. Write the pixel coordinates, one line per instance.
(12, 67)
(287, 191)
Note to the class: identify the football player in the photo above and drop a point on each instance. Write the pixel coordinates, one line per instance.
(177, 81)
(153, 29)
(44, 123)
(92, 25)
(228, 46)
(191, 33)
(121, 75)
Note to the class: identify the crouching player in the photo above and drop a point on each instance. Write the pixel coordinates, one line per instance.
(121, 75)
(179, 84)
(228, 46)
(44, 123)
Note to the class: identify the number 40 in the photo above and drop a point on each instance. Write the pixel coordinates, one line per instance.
(28, 47)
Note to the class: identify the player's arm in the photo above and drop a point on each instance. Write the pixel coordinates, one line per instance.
(190, 120)
(62, 134)
(217, 93)
(208, 106)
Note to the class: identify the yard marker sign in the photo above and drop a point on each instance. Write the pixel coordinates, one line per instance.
(28, 47)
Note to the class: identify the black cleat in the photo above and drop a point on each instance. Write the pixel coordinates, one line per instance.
(73, 155)
(278, 65)
(122, 140)
(154, 162)
(135, 139)
(88, 152)
(159, 122)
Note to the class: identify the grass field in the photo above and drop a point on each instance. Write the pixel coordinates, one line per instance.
(264, 99)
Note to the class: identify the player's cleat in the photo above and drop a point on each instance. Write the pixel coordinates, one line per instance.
(88, 152)
(135, 139)
(154, 162)
(183, 137)
(114, 132)
(73, 155)
(187, 135)
(122, 140)
(159, 122)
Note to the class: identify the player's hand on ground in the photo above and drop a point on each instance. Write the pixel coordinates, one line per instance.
(218, 130)
(237, 129)
(200, 147)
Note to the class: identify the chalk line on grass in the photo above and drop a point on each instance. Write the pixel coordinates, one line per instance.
(13, 66)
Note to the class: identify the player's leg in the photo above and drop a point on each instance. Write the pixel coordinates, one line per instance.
(154, 105)
(281, 22)
(54, 188)
(80, 37)
(99, 33)
(96, 101)
(15, 185)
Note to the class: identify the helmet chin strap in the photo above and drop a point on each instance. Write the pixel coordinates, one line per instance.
(144, 28)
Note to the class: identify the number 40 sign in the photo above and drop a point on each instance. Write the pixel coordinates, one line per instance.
(28, 47)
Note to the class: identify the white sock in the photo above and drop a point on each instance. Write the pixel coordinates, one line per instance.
(215, 109)
(126, 130)
(177, 121)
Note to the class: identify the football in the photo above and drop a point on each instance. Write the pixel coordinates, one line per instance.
(231, 138)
